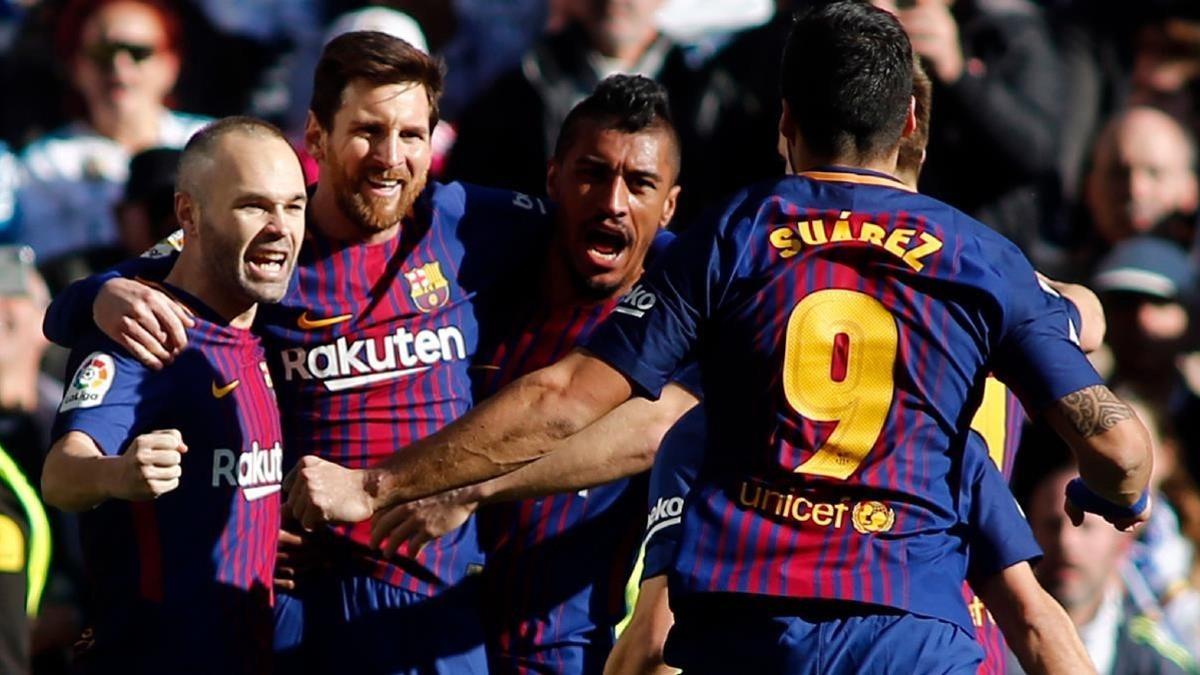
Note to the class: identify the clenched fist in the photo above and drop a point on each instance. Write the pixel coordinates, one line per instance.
(152, 465)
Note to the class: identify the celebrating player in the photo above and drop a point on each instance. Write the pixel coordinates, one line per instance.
(844, 328)
(369, 349)
(550, 602)
(178, 470)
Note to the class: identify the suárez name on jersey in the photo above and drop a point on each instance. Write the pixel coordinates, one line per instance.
(911, 246)
(347, 363)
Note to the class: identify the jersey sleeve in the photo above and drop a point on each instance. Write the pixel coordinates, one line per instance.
(998, 534)
(1038, 354)
(105, 396)
(70, 314)
(654, 327)
(671, 479)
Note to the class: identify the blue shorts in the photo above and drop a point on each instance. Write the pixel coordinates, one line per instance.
(704, 640)
(358, 624)
(560, 659)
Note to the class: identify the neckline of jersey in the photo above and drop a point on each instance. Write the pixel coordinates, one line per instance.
(857, 175)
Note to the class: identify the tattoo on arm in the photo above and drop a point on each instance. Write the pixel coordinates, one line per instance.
(1095, 410)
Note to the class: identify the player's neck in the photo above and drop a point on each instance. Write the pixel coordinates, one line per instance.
(329, 219)
(802, 161)
(190, 276)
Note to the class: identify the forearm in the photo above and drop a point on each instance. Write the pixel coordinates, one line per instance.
(521, 423)
(76, 477)
(639, 651)
(1036, 628)
(1110, 443)
(620, 444)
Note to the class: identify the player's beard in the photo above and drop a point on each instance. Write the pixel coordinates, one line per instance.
(226, 260)
(368, 212)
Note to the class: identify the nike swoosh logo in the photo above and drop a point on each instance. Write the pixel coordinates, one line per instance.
(222, 392)
(311, 324)
(253, 493)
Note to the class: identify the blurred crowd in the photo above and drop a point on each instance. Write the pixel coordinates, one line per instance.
(1067, 125)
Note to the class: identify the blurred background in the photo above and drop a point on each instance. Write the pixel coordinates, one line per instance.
(1067, 125)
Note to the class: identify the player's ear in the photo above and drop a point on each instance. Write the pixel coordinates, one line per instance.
(551, 179)
(668, 210)
(910, 119)
(187, 212)
(314, 137)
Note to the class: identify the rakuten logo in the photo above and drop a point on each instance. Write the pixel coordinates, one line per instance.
(258, 472)
(664, 513)
(346, 364)
(637, 302)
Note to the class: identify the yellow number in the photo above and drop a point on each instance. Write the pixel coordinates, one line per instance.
(859, 398)
(991, 419)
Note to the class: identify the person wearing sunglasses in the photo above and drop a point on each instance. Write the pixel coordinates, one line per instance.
(123, 58)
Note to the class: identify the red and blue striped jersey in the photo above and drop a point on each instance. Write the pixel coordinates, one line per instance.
(190, 573)
(545, 587)
(371, 344)
(844, 327)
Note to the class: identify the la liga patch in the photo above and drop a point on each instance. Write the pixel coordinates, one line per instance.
(92, 381)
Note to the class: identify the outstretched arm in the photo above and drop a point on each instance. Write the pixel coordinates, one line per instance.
(620, 444)
(521, 423)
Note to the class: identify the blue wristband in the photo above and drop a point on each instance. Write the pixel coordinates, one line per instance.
(1083, 497)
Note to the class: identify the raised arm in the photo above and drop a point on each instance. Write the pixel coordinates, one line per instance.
(521, 423)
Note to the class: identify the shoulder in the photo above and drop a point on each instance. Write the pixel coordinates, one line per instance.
(102, 371)
(498, 213)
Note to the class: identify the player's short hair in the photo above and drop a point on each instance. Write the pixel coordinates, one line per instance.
(200, 146)
(627, 103)
(912, 147)
(378, 58)
(847, 78)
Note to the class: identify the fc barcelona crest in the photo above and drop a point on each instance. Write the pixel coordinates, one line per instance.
(427, 286)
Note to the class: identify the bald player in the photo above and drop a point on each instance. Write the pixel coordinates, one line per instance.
(178, 470)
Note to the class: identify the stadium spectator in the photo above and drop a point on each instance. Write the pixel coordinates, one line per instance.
(507, 134)
(124, 57)
(1142, 180)
(1147, 286)
(997, 83)
(27, 402)
(1161, 555)
(177, 526)
(146, 212)
(1082, 570)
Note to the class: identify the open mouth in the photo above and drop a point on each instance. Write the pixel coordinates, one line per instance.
(267, 264)
(606, 244)
(384, 187)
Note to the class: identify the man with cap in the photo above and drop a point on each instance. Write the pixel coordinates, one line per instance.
(1147, 285)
